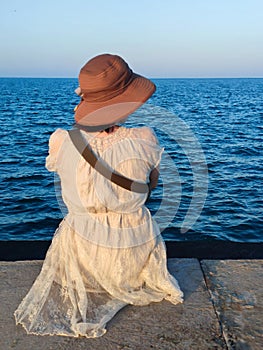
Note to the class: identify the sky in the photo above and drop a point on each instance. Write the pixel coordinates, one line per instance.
(159, 39)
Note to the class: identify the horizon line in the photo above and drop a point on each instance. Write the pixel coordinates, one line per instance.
(60, 77)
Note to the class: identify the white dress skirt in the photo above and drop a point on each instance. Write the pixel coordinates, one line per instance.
(107, 252)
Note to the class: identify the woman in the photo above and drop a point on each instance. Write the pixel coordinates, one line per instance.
(107, 251)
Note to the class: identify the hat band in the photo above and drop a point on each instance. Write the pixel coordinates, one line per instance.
(92, 128)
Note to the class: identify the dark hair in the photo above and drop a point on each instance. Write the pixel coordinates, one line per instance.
(110, 129)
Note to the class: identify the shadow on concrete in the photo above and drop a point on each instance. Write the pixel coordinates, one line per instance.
(216, 250)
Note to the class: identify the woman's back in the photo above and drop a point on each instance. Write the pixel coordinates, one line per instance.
(131, 152)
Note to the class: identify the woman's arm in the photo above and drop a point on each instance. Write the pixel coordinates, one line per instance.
(154, 176)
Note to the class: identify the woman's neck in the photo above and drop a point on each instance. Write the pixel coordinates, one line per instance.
(110, 130)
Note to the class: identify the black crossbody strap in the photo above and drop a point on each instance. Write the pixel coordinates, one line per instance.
(85, 150)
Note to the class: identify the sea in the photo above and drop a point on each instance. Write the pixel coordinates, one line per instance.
(210, 185)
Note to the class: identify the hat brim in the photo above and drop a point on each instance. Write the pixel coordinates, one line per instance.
(106, 113)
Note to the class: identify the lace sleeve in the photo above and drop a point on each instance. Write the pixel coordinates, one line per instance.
(149, 135)
(55, 142)
(150, 146)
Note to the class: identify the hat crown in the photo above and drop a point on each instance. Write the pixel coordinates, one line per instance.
(104, 73)
(109, 91)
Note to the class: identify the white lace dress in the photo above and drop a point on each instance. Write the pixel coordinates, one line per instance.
(107, 252)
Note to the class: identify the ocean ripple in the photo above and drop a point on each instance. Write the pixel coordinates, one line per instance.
(225, 115)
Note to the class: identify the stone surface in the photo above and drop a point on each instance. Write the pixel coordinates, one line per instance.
(192, 325)
(237, 292)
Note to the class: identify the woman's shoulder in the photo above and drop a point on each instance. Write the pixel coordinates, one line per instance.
(145, 133)
(55, 142)
(57, 138)
(59, 133)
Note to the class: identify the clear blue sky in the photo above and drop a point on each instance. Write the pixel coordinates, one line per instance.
(169, 38)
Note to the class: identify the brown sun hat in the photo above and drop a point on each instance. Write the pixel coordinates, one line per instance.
(110, 91)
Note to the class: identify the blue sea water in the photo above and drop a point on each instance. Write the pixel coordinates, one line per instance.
(225, 116)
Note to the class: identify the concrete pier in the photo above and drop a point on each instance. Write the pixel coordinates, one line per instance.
(223, 309)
